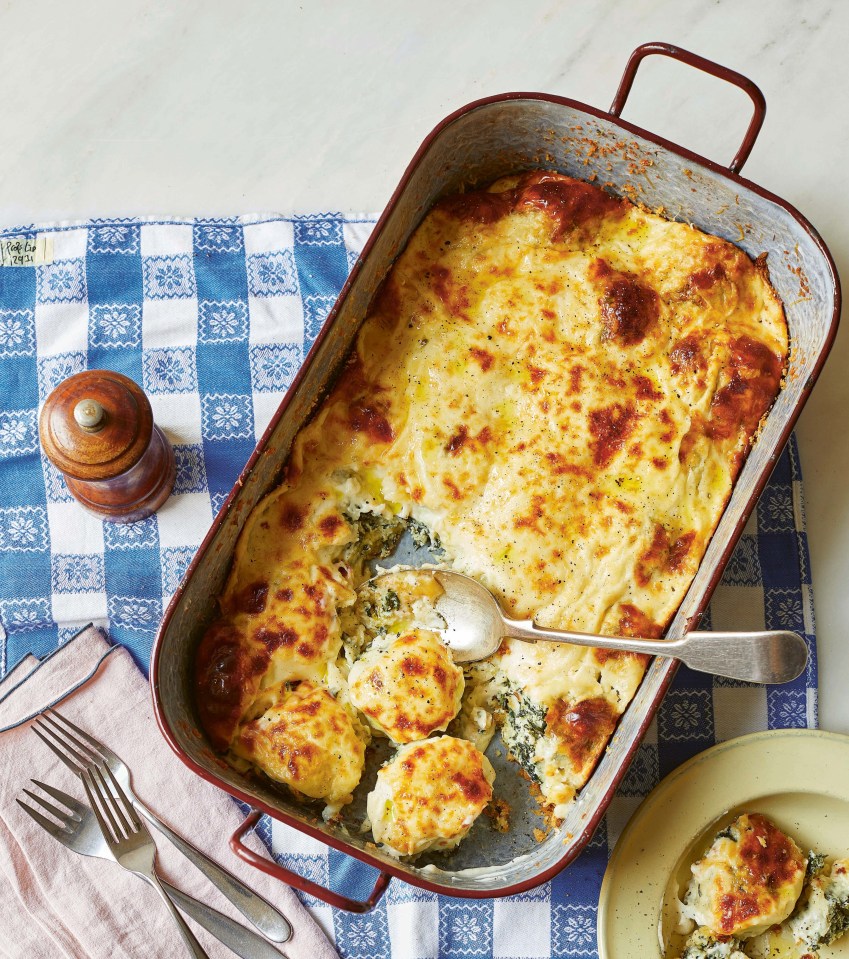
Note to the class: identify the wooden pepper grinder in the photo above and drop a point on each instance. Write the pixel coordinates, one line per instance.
(97, 428)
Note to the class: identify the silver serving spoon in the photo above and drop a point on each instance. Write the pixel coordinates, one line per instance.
(475, 626)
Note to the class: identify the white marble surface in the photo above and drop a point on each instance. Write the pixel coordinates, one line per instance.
(145, 107)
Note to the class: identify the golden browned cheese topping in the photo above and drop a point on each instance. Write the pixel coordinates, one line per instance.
(582, 729)
(559, 385)
(408, 688)
(307, 741)
(520, 359)
(767, 861)
(749, 880)
(429, 795)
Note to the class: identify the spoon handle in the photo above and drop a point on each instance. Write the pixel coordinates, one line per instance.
(770, 656)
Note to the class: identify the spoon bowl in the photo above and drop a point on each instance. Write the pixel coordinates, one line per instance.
(475, 625)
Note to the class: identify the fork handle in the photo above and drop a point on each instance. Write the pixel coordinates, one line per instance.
(195, 947)
(270, 922)
(241, 940)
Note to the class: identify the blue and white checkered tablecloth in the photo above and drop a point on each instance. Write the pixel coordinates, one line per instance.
(212, 318)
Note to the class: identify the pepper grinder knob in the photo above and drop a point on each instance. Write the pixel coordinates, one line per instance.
(89, 415)
(97, 428)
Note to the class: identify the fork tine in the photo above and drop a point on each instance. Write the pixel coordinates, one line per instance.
(42, 821)
(64, 741)
(97, 747)
(125, 828)
(36, 728)
(58, 813)
(100, 757)
(64, 737)
(92, 789)
(77, 809)
(93, 762)
(122, 796)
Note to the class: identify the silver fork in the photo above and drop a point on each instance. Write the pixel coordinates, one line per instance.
(74, 825)
(78, 750)
(130, 841)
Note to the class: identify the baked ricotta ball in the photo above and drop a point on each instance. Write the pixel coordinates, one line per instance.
(308, 742)
(407, 687)
(749, 879)
(429, 795)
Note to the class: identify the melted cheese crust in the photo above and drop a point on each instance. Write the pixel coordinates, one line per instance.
(748, 881)
(409, 687)
(429, 795)
(308, 742)
(588, 373)
(562, 387)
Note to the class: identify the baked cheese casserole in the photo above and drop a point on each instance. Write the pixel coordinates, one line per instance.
(555, 388)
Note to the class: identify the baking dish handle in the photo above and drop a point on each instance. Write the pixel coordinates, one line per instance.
(335, 899)
(707, 66)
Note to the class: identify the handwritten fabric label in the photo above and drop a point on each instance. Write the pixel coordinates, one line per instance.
(26, 251)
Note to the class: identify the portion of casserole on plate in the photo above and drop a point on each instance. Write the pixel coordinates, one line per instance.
(755, 893)
(556, 389)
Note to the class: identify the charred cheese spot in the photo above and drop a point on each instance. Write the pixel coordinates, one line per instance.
(483, 358)
(571, 204)
(536, 374)
(663, 555)
(575, 376)
(604, 656)
(535, 518)
(454, 489)
(252, 599)
(634, 622)
(331, 525)
(582, 729)
(455, 297)
(479, 206)
(429, 795)
(687, 354)
(738, 405)
(291, 518)
(610, 428)
(224, 680)
(560, 466)
(706, 278)
(458, 440)
(646, 389)
(369, 420)
(628, 307)
(274, 639)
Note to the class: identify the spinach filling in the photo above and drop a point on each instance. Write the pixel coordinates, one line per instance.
(523, 727)
(376, 537)
(816, 861)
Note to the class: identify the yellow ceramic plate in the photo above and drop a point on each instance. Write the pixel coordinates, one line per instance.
(797, 777)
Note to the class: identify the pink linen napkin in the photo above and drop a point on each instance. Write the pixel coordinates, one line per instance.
(56, 903)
